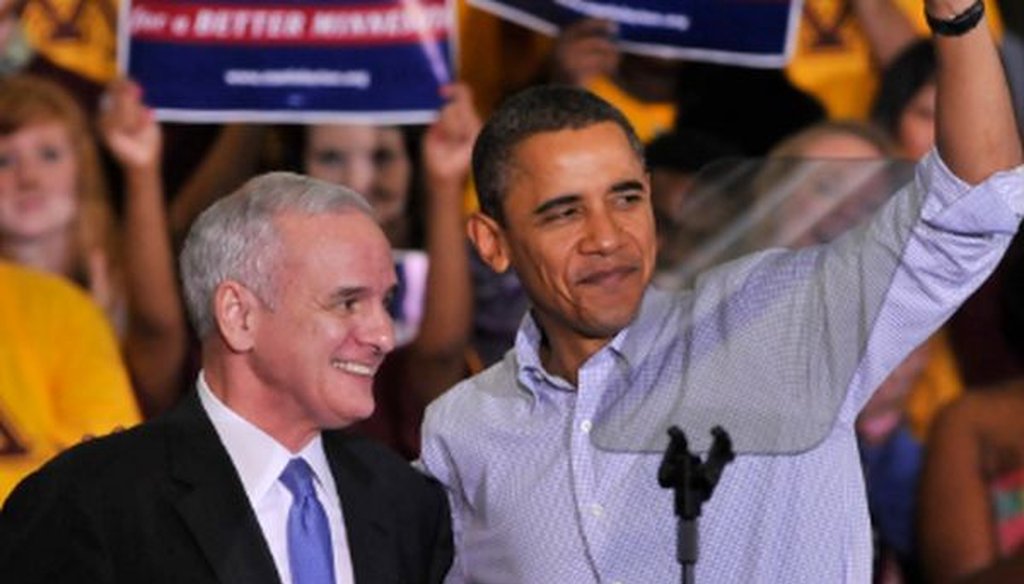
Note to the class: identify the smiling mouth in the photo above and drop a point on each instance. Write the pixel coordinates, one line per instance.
(608, 276)
(353, 368)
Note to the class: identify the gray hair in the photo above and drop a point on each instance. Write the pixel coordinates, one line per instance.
(236, 238)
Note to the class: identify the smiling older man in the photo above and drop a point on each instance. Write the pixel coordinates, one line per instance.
(287, 283)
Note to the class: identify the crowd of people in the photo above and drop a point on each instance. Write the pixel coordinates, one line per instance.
(450, 352)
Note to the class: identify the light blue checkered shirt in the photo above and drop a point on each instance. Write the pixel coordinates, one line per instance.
(535, 501)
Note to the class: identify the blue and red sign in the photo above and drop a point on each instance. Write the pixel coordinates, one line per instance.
(283, 61)
(756, 33)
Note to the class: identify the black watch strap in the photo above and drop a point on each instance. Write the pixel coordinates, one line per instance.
(959, 24)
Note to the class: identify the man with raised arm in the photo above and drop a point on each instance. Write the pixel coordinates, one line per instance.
(781, 348)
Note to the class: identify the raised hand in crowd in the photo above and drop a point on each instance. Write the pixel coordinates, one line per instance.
(443, 337)
(886, 28)
(155, 341)
(129, 129)
(448, 143)
(584, 50)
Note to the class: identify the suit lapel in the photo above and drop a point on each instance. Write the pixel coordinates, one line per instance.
(368, 519)
(212, 501)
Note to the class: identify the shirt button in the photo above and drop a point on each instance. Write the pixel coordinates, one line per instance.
(585, 426)
(597, 510)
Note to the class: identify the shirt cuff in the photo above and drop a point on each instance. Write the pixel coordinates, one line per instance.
(997, 202)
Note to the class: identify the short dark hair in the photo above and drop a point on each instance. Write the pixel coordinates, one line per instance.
(544, 108)
(911, 70)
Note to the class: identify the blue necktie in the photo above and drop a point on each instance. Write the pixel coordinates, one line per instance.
(309, 537)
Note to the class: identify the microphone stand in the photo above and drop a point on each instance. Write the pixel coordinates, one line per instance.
(693, 482)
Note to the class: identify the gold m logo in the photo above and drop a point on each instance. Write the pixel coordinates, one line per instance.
(10, 445)
(66, 20)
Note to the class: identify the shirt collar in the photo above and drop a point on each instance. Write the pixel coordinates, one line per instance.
(630, 344)
(258, 458)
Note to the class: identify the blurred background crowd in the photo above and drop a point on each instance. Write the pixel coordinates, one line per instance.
(98, 194)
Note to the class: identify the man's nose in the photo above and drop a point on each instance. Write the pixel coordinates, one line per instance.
(378, 330)
(603, 232)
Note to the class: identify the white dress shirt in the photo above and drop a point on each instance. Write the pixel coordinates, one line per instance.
(259, 461)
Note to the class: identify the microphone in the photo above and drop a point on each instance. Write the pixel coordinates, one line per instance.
(693, 482)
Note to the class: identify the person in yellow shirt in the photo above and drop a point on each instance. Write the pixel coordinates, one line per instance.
(643, 88)
(62, 379)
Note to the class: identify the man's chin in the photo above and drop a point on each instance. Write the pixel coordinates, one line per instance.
(366, 412)
(350, 414)
(615, 312)
(607, 324)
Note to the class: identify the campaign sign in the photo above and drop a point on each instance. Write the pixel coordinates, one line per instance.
(375, 61)
(755, 33)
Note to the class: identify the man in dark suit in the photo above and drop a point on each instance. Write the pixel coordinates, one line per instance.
(247, 480)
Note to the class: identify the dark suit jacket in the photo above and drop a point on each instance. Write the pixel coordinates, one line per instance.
(162, 503)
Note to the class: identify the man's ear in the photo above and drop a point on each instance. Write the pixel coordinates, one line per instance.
(235, 310)
(489, 239)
